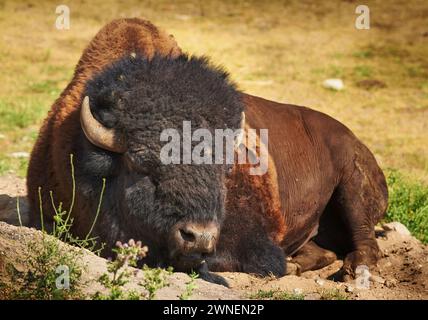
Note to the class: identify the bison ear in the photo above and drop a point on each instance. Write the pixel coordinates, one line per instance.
(97, 134)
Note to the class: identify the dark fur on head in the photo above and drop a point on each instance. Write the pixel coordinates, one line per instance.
(140, 98)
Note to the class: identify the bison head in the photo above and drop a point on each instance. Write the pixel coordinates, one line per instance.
(176, 209)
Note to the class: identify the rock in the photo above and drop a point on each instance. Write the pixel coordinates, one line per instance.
(334, 84)
(292, 269)
(14, 241)
(8, 212)
(349, 288)
(377, 279)
(391, 283)
(398, 227)
(320, 281)
(20, 154)
(313, 296)
(297, 291)
(4, 201)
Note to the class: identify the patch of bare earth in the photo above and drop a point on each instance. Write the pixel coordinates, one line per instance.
(402, 272)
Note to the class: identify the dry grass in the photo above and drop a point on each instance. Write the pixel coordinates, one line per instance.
(279, 50)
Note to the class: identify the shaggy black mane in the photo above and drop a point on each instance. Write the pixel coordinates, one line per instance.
(139, 95)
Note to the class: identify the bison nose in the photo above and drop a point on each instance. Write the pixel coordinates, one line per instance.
(198, 238)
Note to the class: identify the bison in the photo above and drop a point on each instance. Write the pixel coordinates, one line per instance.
(321, 196)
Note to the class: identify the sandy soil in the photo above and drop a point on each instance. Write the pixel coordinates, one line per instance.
(402, 272)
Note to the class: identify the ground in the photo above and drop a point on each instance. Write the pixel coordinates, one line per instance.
(402, 272)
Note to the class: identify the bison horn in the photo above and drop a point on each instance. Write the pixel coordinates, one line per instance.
(97, 134)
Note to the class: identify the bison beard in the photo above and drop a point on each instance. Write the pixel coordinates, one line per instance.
(323, 189)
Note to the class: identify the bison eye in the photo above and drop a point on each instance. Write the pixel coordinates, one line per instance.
(107, 118)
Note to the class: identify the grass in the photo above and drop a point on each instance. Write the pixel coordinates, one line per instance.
(119, 275)
(280, 59)
(276, 295)
(190, 287)
(408, 203)
(40, 282)
(332, 294)
(49, 258)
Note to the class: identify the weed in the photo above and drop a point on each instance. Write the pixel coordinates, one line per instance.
(154, 279)
(41, 281)
(332, 294)
(190, 287)
(118, 275)
(276, 295)
(44, 257)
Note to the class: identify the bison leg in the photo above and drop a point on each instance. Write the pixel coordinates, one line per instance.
(311, 257)
(362, 199)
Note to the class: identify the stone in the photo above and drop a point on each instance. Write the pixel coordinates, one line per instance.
(20, 154)
(349, 288)
(334, 84)
(297, 291)
(320, 281)
(398, 227)
(377, 279)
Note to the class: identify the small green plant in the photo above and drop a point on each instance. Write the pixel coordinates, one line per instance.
(332, 294)
(40, 282)
(276, 295)
(118, 275)
(408, 204)
(63, 220)
(44, 258)
(363, 71)
(190, 286)
(155, 279)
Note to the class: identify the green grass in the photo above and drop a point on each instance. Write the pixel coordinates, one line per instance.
(20, 113)
(332, 294)
(276, 295)
(363, 71)
(408, 204)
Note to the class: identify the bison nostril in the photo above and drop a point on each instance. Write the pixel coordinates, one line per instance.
(187, 235)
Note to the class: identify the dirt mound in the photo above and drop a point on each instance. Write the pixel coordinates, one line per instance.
(402, 272)
(14, 260)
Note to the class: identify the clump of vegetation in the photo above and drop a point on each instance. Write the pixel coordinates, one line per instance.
(276, 295)
(408, 204)
(118, 275)
(63, 220)
(332, 294)
(49, 259)
(190, 287)
(54, 272)
(155, 279)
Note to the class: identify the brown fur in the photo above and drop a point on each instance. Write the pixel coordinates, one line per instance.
(323, 183)
(118, 38)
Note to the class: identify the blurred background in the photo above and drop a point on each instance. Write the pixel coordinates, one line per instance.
(280, 50)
